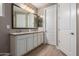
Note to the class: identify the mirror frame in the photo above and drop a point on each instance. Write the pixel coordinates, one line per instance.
(12, 4)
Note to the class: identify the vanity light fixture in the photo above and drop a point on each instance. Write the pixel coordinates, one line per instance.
(25, 7)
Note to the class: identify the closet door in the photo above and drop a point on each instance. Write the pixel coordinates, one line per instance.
(67, 28)
(51, 24)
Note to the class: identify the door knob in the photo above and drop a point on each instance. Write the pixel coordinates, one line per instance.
(72, 33)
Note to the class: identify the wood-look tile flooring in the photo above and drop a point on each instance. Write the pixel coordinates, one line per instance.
(46, 50)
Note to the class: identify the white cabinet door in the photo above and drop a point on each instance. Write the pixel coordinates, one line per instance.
(40, 38)
(30, 44)
(20, 46)
(35, 40)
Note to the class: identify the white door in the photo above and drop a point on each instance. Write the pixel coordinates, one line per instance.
(51, 24)
(67, 28)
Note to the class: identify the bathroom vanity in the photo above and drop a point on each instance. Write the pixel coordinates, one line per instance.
(23, 42)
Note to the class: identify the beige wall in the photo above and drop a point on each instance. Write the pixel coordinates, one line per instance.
(4, 32)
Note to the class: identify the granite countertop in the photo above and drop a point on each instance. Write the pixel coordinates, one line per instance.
(24, 33)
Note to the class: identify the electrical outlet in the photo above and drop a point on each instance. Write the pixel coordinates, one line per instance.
(8, 26)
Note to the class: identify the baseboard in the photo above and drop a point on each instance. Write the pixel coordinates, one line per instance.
(60, 50)
(63, 53)
(57, 47)
(4, 54)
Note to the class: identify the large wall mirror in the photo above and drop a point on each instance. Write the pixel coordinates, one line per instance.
(22, 18)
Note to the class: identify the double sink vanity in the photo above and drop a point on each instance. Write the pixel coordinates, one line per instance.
(23, 42)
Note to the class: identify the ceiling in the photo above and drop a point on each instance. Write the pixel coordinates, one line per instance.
(39, 5)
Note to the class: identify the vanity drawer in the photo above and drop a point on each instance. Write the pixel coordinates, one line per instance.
(24, 36)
